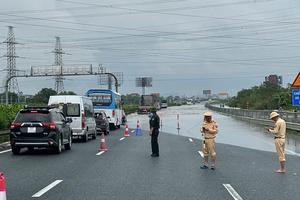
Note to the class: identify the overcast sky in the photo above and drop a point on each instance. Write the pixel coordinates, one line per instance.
(185, 45)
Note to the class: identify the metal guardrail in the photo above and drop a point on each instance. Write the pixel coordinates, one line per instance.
(4, 132)
(260, 116)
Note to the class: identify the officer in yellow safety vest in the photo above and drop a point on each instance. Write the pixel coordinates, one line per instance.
(279, 137)
(209, 129)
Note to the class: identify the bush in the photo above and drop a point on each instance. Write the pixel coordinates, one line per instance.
(8, 114)
(130, 108)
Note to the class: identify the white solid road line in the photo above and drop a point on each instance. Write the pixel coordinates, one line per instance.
(101, 152)
(122, 138)
(5, 151)
(46, 189)
(292, 152)
(201, 154)
(232, 192)
(190, 139)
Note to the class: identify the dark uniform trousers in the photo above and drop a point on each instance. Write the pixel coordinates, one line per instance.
(154, 142)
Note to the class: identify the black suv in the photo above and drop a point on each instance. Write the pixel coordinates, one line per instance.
(40, 127)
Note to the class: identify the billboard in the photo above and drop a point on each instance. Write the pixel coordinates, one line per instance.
(143, 82)
(60, 70)
(207, 92)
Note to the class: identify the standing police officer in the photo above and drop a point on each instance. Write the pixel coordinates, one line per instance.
(279, 138)
(209, 129)
(154, 131)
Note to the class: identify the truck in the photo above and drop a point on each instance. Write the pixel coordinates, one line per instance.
(164, 103)
(147, 102)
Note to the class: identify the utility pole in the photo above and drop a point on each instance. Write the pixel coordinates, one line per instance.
(59, 84)
(11, 61)
(109, 82)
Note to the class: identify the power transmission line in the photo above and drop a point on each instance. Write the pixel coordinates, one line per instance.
(11, 61)
(59, 84)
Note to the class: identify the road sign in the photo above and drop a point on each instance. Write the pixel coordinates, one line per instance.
(296, 83)
(296, 97)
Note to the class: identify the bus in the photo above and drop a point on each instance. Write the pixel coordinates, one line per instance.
(110, 102)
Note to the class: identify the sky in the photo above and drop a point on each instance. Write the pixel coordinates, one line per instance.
(186, 46)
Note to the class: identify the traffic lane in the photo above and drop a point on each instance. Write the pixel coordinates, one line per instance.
(180, 161)
(28, 173)
(251, 172)
(128, 172)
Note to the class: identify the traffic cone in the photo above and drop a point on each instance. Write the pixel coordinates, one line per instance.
(138, 130)
(2, 187)
(102, 146)
(126, 132)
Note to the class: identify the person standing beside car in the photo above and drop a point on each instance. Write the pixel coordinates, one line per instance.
(154, 131)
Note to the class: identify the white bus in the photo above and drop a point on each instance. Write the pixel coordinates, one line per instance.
(110, 102)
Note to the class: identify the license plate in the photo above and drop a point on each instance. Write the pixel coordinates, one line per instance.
(31, 129)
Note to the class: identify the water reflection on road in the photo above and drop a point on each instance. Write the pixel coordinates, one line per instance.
(231, 131)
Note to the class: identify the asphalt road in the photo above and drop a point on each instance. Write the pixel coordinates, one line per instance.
(126, 171)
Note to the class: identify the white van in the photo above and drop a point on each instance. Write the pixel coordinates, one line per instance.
(80, 109)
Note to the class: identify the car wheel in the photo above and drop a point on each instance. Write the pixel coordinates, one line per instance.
(112, 127)
(30, 148)
(68, 146)
(94, 135)
(57, 149)
(15, 150)
(85, 137)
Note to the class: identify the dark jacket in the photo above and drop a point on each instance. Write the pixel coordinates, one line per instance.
(154, 121)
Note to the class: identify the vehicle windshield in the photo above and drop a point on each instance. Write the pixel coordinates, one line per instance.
(101, 99)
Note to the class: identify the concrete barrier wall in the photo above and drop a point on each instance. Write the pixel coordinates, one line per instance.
(259, 116)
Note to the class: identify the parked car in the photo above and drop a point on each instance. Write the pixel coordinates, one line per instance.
(80, 110)
(102, 123)
(40, 127)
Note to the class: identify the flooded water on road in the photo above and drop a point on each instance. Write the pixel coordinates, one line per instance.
(231, 131)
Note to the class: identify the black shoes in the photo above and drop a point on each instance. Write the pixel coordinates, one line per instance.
(204, 167)
(154, 155)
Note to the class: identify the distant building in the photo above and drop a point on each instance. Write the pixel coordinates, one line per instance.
(275, 79)
(223, 95)
(155, 94)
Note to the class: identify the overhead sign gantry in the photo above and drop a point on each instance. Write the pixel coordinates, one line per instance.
(53, 70)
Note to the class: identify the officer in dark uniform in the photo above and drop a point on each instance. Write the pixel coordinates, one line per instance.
(154, 131)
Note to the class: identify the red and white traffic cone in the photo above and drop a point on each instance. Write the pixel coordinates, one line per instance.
(2, 187)
(102, 146)
(126, 132)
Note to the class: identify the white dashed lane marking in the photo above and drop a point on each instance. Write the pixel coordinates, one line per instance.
(5, 151)
(101, 152)
(201, 154)
(132, 131)
(47, 188)
(122, 138)
(232, 192)
(191, 140)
